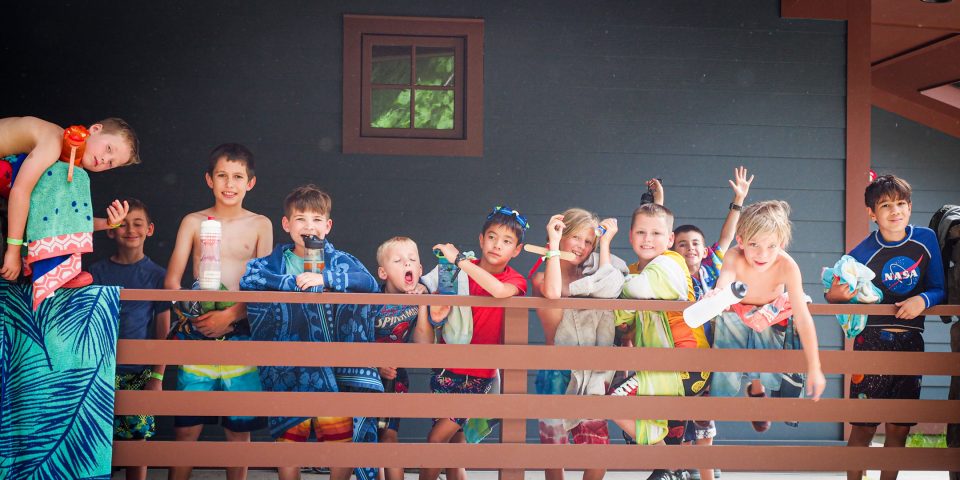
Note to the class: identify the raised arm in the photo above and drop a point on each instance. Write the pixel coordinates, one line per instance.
(551, 284)
(611, 225)
(487, 281)
(741, 187)
(805, 328)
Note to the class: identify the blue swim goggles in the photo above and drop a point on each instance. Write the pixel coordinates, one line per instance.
(510, 213)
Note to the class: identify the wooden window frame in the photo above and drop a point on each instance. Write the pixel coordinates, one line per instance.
(360, 32)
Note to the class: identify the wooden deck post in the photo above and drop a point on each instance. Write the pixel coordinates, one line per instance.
(515, 332)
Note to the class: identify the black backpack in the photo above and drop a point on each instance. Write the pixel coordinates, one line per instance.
(946, 224)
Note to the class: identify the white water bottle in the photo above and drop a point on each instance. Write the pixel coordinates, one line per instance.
(707, 308)
(209, 271)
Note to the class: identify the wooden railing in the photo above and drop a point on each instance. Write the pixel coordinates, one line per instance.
(513, 455)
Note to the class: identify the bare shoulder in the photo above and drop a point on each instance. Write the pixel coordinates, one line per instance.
(191, 221)
(23, 134)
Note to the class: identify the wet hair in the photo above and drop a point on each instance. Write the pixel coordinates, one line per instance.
(578, 220)
(688, 229)
(652, 210)
(308, 198)
(770, 216)
(387, 245)
(136, 204)
(117, 126)
(504, 220)
(886, 187)
(232, 152)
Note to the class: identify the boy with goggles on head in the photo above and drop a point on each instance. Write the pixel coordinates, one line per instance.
(501, 239)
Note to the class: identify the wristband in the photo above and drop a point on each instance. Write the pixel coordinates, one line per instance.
(14, 241)
(550, 254)
(734, 206)
(114, 226)
(158, 376)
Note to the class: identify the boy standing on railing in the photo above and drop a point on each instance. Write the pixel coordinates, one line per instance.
(130, 268)
(230, 175)
(399, 267)
(307, 213)
(909, 272)
(658, 274)
(501, 239)
(774, 297)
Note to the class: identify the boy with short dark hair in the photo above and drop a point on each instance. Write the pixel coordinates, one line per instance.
(130, 268)
(909, 272)
(501, 240)
(307, 212)
(49, 208)
(246, 235)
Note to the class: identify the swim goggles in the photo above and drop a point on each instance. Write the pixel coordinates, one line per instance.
(510, 213)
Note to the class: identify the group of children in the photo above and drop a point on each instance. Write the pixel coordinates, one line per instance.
(672, 264)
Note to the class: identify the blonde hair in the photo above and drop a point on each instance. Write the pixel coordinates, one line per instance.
(385, 246)
(770, 216)
(117, 126)
(653, 210)
(578, 220)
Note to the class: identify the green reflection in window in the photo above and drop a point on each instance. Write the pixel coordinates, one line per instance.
(390, 108)
(434, 109)
(390, 65)
(435, 66)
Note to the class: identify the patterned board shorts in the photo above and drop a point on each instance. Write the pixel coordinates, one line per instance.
(225, 378)
(444, 381)
(906, 387)
(326, 429)
(133, 427)
(552, 431)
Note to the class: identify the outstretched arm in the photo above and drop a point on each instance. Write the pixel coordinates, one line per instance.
(741, 186)
(488, 282)
(803, 322)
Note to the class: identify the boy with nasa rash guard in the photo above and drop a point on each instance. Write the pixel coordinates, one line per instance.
(906, 261)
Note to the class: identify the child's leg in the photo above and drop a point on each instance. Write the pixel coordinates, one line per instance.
(184, 434)
(442, 432)
(860, 436)
(459, 473)
(896, 437)
(389, 435)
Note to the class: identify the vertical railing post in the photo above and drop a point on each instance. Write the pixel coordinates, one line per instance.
(515, 332)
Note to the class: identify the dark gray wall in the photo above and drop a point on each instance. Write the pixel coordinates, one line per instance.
(584, 101)
(930, 161)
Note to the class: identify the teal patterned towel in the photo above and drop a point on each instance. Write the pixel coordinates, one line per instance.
(56, 382)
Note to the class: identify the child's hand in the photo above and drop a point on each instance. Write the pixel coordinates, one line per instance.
(816, 382)
(611, 225)
(439, 312)
(654, 185)
(117, 211)
(419, 289)
(555, 230)
(387, 373)
(740, 185)
(448, 251)
(911, 307)
(214, 324)
(11, 264)
(309, 279)
(839, 292)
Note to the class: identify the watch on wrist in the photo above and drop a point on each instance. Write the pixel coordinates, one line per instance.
(460, 257)
(734, 206)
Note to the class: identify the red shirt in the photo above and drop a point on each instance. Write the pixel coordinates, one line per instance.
(488, 321)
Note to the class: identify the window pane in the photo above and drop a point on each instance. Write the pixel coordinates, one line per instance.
(434, 109)
(435, 66)
(390, 108)
(390, 65)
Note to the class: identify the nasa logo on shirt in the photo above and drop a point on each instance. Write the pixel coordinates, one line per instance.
(901, 274)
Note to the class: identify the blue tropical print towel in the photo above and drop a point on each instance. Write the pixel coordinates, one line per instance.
(56, 382)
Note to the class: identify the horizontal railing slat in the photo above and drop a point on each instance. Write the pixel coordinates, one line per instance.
(513, 302)
(532, 456)
(519, 406)
(526, 357)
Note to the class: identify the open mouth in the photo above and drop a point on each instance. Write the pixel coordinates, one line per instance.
(408, 277)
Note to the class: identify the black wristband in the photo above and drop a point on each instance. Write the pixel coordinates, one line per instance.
(460, 257)
(734, 206)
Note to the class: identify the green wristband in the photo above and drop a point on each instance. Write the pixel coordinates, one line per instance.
(14, 241)
(158, 376)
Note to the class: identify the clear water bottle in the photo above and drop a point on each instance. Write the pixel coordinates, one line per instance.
(446, 275)
(211, 235)
(709, 307)
(313, 253)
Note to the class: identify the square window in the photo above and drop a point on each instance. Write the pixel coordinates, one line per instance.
(412, 86)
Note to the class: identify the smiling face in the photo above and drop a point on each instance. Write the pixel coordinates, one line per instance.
(691, 247)
(230, 182)
(580, 243)
(133, 232)
(762, 250)
(650, 236)
(498, 245)
(103, 151)
(400, 268)
(305, 222)
(892, 217)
